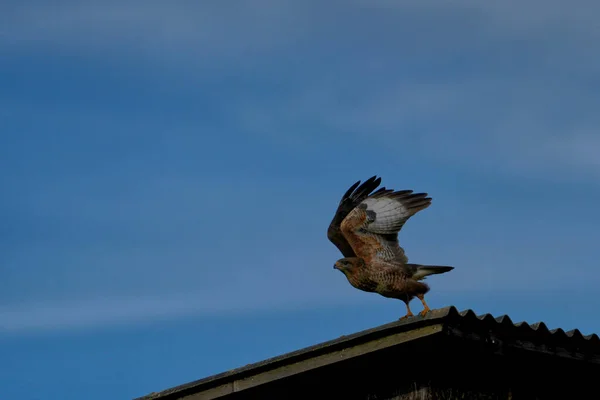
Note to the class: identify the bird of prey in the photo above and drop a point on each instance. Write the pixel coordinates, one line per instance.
(365, 229)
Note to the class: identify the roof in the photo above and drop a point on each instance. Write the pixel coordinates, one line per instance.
(497, 332)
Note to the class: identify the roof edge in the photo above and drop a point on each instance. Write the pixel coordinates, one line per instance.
(414, 327)
(435, 317)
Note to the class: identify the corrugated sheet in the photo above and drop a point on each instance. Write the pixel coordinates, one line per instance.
(462, 323)
(538, 329)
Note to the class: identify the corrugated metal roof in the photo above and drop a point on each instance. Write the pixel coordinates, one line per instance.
(538, 328)
(446, 320)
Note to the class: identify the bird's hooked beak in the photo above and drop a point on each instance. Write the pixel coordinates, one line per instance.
(335, 266)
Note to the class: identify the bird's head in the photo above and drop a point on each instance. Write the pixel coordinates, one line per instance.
(348, 264)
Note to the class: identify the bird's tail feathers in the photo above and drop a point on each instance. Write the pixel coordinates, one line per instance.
(422, 271)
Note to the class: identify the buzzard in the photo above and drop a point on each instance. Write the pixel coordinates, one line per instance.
(365, 230)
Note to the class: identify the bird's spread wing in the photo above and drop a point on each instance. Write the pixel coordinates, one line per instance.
(371, 228)
(353, 197)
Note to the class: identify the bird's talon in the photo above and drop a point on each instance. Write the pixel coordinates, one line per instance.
(424, 312)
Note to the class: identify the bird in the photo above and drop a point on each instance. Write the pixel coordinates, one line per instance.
(365, 230)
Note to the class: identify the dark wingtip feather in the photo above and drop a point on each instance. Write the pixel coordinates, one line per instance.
(350, 190)
(353, 196)
(367, 187)
(400, 193)
(381, 191)
(358, 190)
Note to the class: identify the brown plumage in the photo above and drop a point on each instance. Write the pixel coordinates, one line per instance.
(365, 230)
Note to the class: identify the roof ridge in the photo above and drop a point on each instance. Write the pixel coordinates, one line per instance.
(434, 321)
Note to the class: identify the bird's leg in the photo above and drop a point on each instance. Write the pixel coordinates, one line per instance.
(408, 313)
(425, 306)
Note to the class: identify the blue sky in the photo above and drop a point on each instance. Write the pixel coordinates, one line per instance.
(169, 170)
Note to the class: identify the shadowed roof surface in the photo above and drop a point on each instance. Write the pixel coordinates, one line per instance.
(485, 327)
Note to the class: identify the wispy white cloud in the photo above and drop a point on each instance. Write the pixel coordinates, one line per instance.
(579, 149)
(86, 313)
(207, 32)
(509, 125)
(519, 17)
(210, 32)
(278, 283)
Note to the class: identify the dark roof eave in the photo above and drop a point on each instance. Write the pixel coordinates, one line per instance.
(465, 323)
